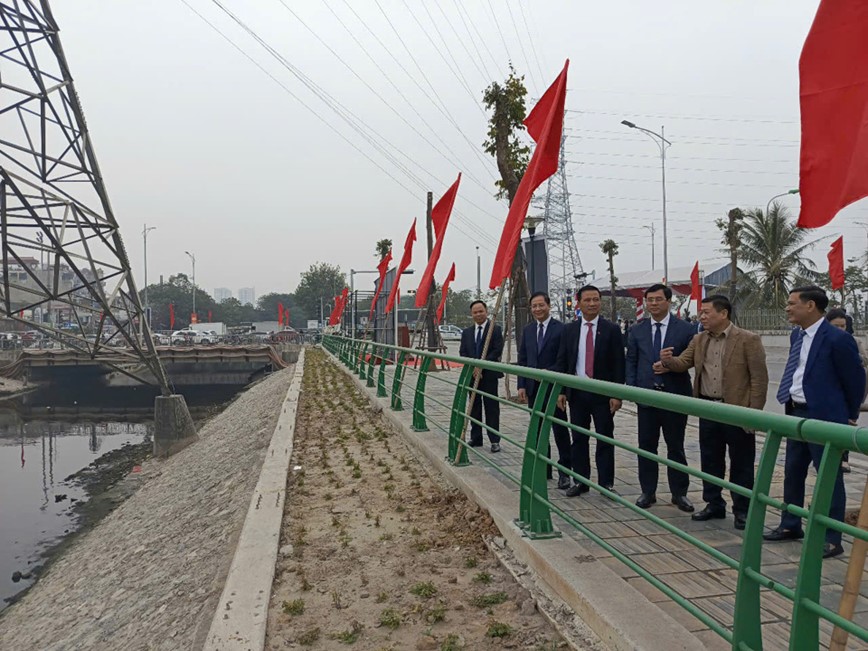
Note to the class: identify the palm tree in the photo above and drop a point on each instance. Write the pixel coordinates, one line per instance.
(775, 250)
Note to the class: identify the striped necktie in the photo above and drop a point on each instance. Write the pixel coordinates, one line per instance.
(790, 369)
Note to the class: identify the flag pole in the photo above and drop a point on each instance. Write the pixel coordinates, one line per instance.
(853, 578)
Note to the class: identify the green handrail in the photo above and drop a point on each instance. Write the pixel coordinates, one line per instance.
(534, 513)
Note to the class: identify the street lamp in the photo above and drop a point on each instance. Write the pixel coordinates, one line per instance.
(353, 273)
(662, 143)
(147, 229)
(778, 196)
(530, 223)
(193, 258)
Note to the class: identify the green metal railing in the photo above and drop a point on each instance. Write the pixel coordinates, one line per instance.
(369, 360)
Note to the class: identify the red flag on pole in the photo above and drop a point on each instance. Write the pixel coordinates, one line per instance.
(449, 279)
(171, 316)
(405, 262)
(210, 319)
(333, 317)
(833, 170)
(695, 289)
(280, 314)
(440, 219)
(545, 125)
(836, 263)
(383, 267)
(342, 303)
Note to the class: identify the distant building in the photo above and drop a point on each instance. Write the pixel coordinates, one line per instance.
(222, 293)
(247, 295)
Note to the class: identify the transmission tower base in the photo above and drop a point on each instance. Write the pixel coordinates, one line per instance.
(174, 429)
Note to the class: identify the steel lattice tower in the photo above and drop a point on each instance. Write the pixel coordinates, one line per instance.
(64, 269)
(563, 254)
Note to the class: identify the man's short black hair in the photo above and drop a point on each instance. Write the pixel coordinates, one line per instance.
(544, 295)
(667, 291)
(478, 301)
(812, 293)
(587, 288)
(836, 313)
(720, 303)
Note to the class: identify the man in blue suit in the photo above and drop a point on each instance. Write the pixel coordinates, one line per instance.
(823, 379)
(538, 348)
(472, 345)
(647, 338)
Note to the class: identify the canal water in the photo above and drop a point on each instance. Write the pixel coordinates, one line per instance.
(47, 437)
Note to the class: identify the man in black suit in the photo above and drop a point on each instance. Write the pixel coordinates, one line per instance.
(646, 340)
(538, 348)
(472, 342)
(591, 347)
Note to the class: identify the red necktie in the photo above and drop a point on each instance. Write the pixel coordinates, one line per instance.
(589, 351)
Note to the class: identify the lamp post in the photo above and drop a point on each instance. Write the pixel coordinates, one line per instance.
(193, 259)
(478, 276)
(145, 230)
(778, 196)
(651, 228)
(530, 223)
(353, 273)
(662, 143)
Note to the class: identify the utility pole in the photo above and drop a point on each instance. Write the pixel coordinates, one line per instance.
(478, 276)
(145, 232)
(432, 305)
(193, 259)
(651, 228)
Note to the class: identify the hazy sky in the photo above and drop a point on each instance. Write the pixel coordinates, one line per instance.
(196, 140)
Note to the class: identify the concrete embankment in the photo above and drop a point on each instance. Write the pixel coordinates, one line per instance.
(150, 575)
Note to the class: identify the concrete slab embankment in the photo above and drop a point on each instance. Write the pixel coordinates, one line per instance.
(150, 575)
(619, 614)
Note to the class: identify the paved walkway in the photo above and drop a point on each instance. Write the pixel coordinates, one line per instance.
(703, 580)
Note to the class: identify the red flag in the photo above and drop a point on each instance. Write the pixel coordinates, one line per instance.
(333, 317)
(342, 304)
(833, 170)
(383, 267)
(405, 262)
(171, 316)
(286, 316)
(440, 219)
(545, 125)
(280, 314)
(210, 318)
(446, 282)
(695, 289)
(836, 263)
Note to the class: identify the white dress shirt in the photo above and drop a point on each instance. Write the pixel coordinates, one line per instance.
(664, 323)
(545, 327)
(797, 391)
(583, 336)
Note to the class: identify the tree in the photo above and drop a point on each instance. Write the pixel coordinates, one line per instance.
(731, 229)
(267, 307)
(775, 251)
(610, 248)
(178, 291)
(321, 281)
(382, 249)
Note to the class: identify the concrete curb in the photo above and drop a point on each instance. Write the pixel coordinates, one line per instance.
(622, 617)
(242, 612)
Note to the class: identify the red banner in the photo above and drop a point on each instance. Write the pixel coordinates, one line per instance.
(446, 283)
(280, 314)
(342, 304)
(833, 94)
(695, 289)
(171, 316)
(405, 262)
(545, 125)
(440, 219)
(383, 267)
(210, 318)
(836, 263)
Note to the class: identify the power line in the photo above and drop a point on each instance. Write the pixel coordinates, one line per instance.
(499, 31)
(680, 169)
(724, 185)
(532, 44)
(675, 155)
(662, 116)
(692, 142)
(680, 138)
(475, 60)
(460, 11)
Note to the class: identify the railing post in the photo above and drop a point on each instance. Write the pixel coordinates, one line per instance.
(746, 623)
(381, 376)
(805, 629)
(420, 424)
(534, 515)
(397, 382)
(360, 362)
(456, 422)
(371, 362)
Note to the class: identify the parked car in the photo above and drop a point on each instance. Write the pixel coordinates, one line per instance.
(450, 333)
(183, 337)
(206, 337)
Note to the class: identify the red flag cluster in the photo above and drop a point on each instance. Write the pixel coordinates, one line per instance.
(545, 125)
(440, 219)
(402, 267)
(338, 310)
(836, 263)
(833, 170)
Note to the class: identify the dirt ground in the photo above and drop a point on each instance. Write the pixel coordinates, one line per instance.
(377, 554)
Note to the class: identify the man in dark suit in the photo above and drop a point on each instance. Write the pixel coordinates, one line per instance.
(591, 347)
(472, 342)
(646, 341)
(823, 379)
(538, 348)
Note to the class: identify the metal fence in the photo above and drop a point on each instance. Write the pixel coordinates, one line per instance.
(369, 360)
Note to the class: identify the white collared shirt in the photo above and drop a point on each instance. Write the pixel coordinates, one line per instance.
(583, 336)
(664, 323)
(797, 391)
(545, 326)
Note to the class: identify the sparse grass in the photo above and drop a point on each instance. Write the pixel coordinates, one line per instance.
(416, 532)
(386, 536)
(400, 508)
(357, 473)
(498, 629)
(377, 520)
(451, 643)
(470, 562)
(482, 577)
(328, 497)
(305, 584)
(436, 614)
(381, 597)
(349, 636)
(424, 589)
(390, 618)
(309, 637)
(421, 546)
(336, 599)
(294, 607)
(489, 599)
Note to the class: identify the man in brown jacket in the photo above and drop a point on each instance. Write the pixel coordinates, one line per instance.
(730, 367)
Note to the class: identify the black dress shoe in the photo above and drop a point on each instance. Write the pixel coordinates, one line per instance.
(784, 534)
(475, 444)
(739, 521)
(646, 500)
(709, 513)
(563, 483)
(831, 549)
(682, 503)
(577, 489)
